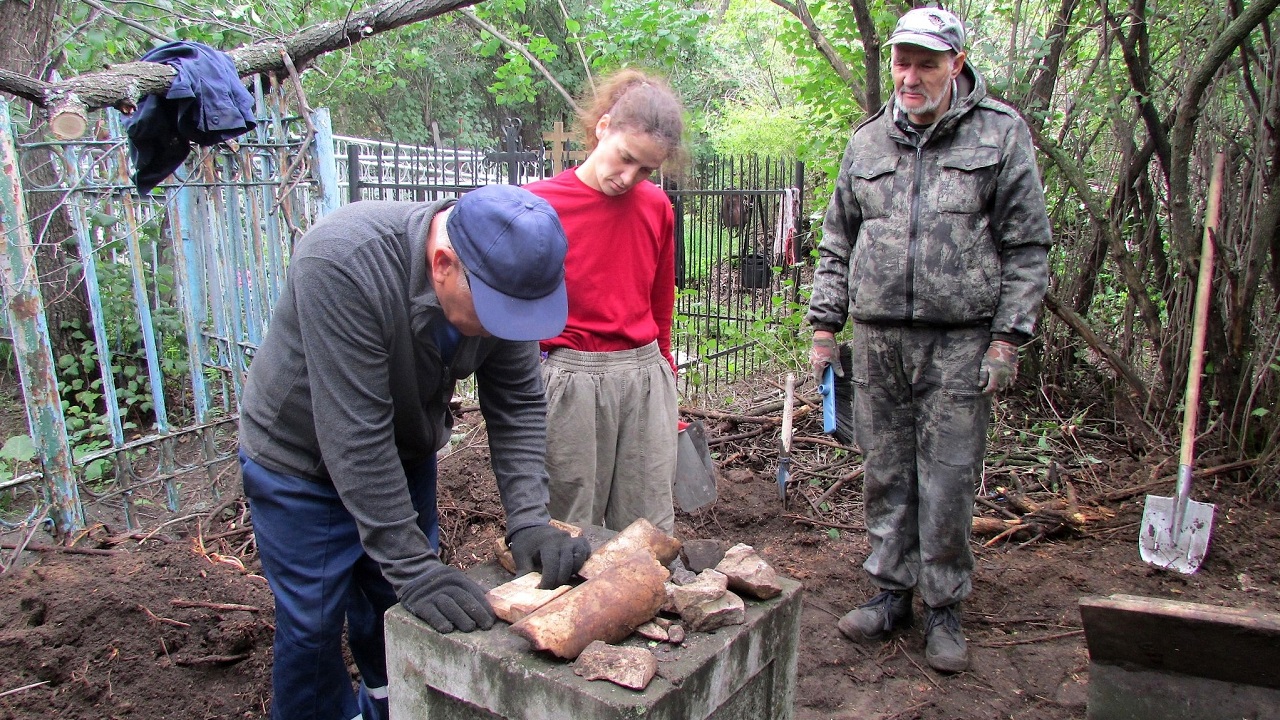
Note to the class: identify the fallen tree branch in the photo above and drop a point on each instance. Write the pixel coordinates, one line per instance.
(33, 547)
(165, 620)
(730, 417)
(178, 602)
(835, 486)
(24, 688)
(1029, 641)
(713, 442)
(1086, 333)
(821, 523)
(210, 660)
(1126, 493)
(827, 442)
(470, 16)
(121, 86)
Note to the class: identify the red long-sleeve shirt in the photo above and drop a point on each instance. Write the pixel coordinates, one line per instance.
(620, 270)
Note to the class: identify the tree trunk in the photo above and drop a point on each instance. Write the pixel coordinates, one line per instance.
(29, 29)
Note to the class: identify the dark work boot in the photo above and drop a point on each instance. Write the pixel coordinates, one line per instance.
(944, 646)
(878, 617)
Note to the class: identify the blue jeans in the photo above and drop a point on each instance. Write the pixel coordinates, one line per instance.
(320, 576)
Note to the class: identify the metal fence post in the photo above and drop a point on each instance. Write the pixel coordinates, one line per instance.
(326, 163)
(32, 349)
(353, 172)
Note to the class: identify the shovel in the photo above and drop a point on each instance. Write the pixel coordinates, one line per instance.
(1175, 531)
(695, 482)
(784, 454)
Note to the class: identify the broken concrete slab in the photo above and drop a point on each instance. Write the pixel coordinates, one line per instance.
(709, 585)
(630, 667)
(728, 609)
(651, 631)
(748, 573)
(512, 601)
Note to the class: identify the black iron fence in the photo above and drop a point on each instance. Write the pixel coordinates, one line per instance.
(741, 247)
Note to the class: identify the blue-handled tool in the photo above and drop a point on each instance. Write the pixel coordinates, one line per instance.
(828, 391)
(837, 398)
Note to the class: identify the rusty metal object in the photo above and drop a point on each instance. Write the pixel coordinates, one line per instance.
(639, 535)
(607, 607)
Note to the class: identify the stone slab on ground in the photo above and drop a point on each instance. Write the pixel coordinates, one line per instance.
(741, 671)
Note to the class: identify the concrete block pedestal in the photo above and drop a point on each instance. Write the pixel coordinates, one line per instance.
(742, 671)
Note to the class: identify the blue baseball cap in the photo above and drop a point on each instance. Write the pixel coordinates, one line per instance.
(513, 247)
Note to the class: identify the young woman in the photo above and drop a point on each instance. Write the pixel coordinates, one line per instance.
(610, 376)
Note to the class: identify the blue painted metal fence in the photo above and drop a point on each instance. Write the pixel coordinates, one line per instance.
(179, 286)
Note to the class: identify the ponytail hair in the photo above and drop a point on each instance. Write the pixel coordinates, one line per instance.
(636, 101)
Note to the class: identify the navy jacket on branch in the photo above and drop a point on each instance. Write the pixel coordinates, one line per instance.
(206, 104)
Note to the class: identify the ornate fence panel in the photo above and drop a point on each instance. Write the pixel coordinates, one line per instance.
(178, 286)
(738, 266)
(739, 223)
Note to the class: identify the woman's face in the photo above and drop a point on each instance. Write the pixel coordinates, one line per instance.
(622, 159)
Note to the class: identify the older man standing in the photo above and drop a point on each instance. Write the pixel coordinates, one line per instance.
(935, 244)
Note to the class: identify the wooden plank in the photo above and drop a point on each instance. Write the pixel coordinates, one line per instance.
(1232, 645)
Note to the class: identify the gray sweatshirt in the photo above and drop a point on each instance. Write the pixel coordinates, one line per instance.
(349, 388)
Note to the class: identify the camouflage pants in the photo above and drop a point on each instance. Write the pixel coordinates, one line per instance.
(921, 421)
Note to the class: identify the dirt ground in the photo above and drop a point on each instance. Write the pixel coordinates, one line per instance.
(179, 625)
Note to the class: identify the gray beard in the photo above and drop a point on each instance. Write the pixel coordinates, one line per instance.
(931, 106)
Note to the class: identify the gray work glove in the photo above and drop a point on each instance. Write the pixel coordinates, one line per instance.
(448, 600)
(999, 367)
(551, 550)
(823, 353)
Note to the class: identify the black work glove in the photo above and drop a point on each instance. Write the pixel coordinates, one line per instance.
(551, 550)
(448, 600)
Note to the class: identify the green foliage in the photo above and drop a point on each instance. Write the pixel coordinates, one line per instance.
(757, 130)
(660, 35)
(80, 374)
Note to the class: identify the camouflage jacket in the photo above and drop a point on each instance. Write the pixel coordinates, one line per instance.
(947, 228)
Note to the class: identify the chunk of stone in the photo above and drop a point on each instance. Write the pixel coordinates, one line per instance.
(726, 610)
(629, 667)
(749, 574)
(700, 555)
(512, 601)
(709, 585)
(639, 535)
(675, 634)
(653, 631)
(683, 576)
(607, 607)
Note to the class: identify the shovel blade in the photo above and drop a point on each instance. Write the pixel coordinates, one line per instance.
(1180, 547)
(695, 482)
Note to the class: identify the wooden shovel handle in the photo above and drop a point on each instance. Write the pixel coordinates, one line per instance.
(1201, 317)
(787, 412)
